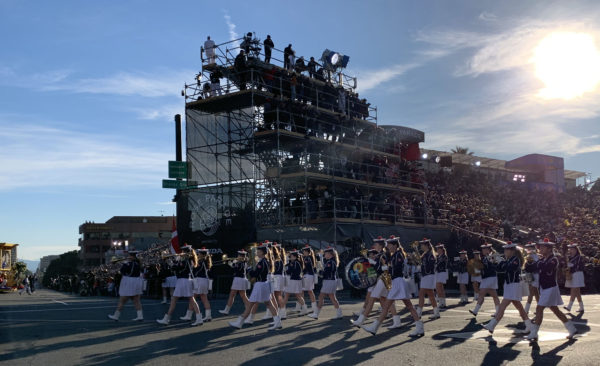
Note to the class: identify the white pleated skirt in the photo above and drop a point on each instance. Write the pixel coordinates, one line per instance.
(239, 284)
(428, 282)
(169, 282)
(399, 290)
(463, 278)
(476, 279)
(513, 291)
(308, 282)
(278, 283)
(577, 281)
(441, 277)
(200, 286)
(329, 287)
(293, 286)
(379, 290)
(261, 292)
(130, 286)
(489, 283)
(184, 287)
(550, 297)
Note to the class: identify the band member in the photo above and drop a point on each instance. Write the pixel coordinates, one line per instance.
(441, 273)
(280, 259)
(547, 267)
(533, 277)
(427, 278)
(240, 283)
(294, 282)
(330, 279)
(185, 285)
(463, 276)
(168, 280)
(250, 319)
(489, 282)
(511, 266)
(379, 291)
(399, 291)
(475, 266)
(201, 283)
(308, 280)
(131, 287)
(371, 255)
(575, 272)
(261, 292)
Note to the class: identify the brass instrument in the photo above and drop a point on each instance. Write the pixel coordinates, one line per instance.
(116, 259)
(252, 261)
(415, 256)
(176, 255)
(474, 267)
(385, 277)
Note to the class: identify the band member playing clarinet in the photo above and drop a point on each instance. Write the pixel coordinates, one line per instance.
(512, 287)
(201, 282)
(427, 278)
(399, 291)
(262, 289)
(575, 279)
(463, 276)
(308, 280)
(330, 266)
(240, 283)
(441, 273)
(549, 292)
(185, 284)
(489, 281)
(294, 282)
(131, 287)
(533, 277)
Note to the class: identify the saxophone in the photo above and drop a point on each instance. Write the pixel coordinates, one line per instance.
(386, 278)
(415, 256)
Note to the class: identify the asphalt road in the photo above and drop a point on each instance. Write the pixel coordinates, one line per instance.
(52, 328)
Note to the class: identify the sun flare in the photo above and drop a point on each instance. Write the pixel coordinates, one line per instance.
(568, 64)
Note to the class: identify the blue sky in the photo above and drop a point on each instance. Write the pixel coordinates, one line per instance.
(88, 91)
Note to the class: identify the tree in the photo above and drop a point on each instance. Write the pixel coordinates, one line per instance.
(19, 271)
(66, 264)
(462, 150)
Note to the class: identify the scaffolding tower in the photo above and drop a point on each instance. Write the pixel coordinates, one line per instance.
(289, 152)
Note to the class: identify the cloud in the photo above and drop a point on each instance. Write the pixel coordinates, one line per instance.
(233, 36)
(164, 112)
(34, 155)
(488, 16)
(370, 79)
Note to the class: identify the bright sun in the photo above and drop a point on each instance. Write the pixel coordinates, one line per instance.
(568, 63)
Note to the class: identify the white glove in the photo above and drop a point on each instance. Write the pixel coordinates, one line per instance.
(372, 261)
(384, 268)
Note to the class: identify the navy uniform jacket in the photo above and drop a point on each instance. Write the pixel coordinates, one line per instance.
(461, 266)
(441, 263)
(202, 269)
(330, 269)
(182, 269)
(427, 264)
(261, 270)
(239, 269)
(575, 263)
(512, 267)
(530, 268)
(294, 270)
(380, 259)
(309, 266)
(548, 269)
(397, 265)
(131, 269)
(489, 268)
(278, 267)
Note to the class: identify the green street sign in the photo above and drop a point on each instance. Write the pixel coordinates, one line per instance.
(178, 169)
(177, 184)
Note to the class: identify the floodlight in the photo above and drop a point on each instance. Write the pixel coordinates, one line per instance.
(437, 159)
(478, 163)
(425, 156)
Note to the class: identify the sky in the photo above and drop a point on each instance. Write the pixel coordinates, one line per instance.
(88, 91)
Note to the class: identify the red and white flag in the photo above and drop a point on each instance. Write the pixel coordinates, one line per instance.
(174, 240)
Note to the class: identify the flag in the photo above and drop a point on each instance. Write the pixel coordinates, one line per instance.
(174, 240)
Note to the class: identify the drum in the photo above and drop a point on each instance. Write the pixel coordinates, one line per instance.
(361, 274)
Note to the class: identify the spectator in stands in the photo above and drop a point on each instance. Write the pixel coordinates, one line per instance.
(209, 48)
(269, 45)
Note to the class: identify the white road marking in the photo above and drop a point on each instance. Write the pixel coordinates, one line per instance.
(60, 302)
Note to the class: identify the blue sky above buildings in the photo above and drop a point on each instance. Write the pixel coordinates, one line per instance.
(88, 91)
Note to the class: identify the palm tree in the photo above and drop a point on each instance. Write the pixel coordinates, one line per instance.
(461, 150)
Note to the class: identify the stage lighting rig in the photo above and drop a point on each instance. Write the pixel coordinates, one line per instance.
(333, 60)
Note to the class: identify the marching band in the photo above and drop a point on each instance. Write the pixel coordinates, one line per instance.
(386, 271)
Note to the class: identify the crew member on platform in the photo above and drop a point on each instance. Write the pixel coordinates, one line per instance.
(475, 266)
(427, 278)
(201, 283)
(330, 279)
(547, 267)
(294, 282)
(308, 280)
(531, 275)
(441, 273)
(511, 266)
(240, 283)
(262, 289)
(131, 287)
(463, 276)
(399, 291)
(209, 48)
(183, 268)
(489, 281)
(269, 45)
(379, 291)
(575, 280)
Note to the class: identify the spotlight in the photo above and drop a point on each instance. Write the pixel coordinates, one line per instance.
(425, 156)
(478, 163)
(519, 178)
(437, 159)
(332, 60)
(588, 180)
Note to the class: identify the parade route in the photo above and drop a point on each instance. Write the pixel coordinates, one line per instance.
(51, 328)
